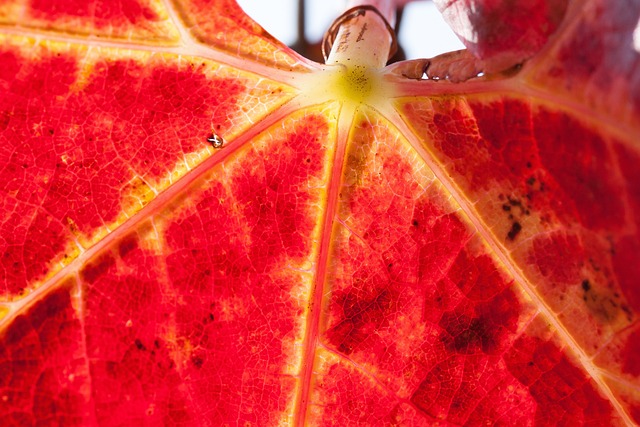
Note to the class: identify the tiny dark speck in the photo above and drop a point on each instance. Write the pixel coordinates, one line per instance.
(515, 229)
(197, 361)
(586, 285)
(139, 345)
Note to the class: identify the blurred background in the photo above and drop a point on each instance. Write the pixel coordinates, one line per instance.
(422, 31)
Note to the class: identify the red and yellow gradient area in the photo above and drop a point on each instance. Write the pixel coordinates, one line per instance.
(145, 21)
(90, 136)
(195, 313)
(371, 252)
(558, 194)
(223, 24)
(422, 324)
(197, 24)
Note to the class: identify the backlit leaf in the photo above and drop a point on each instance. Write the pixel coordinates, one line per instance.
(359, 249)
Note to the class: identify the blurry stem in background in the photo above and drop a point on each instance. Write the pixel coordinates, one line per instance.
(313, 49)
(362, 36)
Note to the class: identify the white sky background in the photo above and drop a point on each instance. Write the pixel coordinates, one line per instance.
(423, 33)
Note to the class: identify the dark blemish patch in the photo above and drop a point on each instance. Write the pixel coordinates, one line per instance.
(601, 303)
(5, 118)
(53, 307)
(515, 210)
(529, 165)
(360, 317)
(127, 244)
(17, 330)
(467, 335)
(208, 319)
(139, 345)
(197, 361)
(415, 223)
(514, 202)
(515, 205)
(51, 131)
(515, 229)
(612, 246)
(536, 185)
(98, 268)
(156, 343)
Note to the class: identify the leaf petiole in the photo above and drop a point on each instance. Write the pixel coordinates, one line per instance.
(362, 36)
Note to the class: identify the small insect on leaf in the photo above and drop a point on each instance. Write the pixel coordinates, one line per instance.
(215, 140)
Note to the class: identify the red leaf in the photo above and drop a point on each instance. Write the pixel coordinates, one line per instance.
(500, 32)
(353, 247)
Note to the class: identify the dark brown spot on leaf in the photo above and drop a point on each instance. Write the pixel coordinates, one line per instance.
(515, 229)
